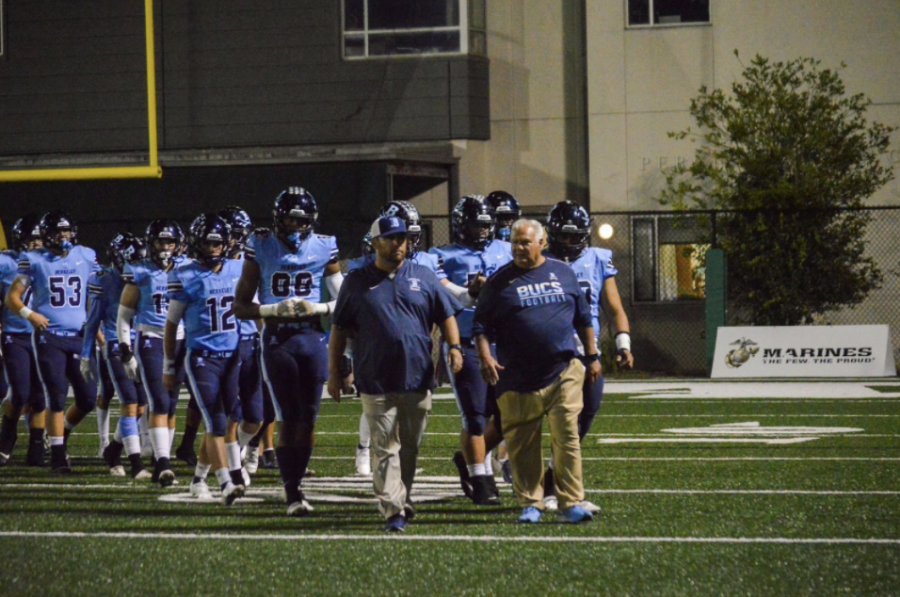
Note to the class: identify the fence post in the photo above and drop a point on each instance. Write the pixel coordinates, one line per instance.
(716, 297)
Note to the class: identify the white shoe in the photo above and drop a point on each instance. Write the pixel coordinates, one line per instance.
(201, 491)
(144, 474)
(299, 508)
(551, 503)
(364, 462)
(590, 507)
(244, 453)
(231, 493)
(252, 464)
(246, 475)
(117, 471)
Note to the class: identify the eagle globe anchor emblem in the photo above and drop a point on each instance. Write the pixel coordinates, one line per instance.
(746, 348)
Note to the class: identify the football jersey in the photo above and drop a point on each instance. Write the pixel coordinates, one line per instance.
(419, 258)
(60, 284)
(286, 272)
(9, 268)
(461, 264)
(592, 268)
(152, 282)
(105, 288)
(209, 320)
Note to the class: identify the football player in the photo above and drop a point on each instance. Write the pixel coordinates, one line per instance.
(18, 354)
(245, 420)
(58, 274)
(465, 264)
(144, 299)
(202, 293)
(288, 268)
(407, 212)
(506, 211)
(105, 291)
(568, 239)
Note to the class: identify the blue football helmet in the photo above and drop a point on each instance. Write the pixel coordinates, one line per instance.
(568, 230)
(506, 211)
(207, 228)
(298, 204)
(472, 222)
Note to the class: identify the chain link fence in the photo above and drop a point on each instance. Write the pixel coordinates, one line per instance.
(661, 278)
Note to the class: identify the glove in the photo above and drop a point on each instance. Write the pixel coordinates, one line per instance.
(303, 308)
(129, 363)
(87, 371)
(285, 308)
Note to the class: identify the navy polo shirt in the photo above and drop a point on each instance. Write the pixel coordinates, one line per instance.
(530, 314)
(391, 319)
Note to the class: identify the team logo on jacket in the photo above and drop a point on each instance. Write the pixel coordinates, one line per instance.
(414, 284)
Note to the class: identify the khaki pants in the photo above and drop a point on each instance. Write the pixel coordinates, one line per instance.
(522, 415)
(397, 424)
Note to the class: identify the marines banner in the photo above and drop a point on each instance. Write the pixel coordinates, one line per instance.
(804, 351)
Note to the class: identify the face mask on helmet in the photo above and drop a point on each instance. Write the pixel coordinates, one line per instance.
(164, 240)
(26, 234)
(503, 229)
(241, 226)
(208, 239)
(506, 212)
(568, 230)
(295, 216)
(58, 232)
(472, 222)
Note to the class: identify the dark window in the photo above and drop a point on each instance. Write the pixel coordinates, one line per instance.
(667, 12)
(378, 28)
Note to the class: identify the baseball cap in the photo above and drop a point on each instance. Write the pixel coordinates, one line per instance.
(387, 225)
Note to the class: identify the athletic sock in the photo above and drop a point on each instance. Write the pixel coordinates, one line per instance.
(8, 434)
(476, 470)
(244, 437)
(171, 438)
(488, 465)
(128, 429)
(103, 425)
(365, 436)
(189, 435)
(223, 476)
(144, 427)
(200, 472)
(159, 437)
(136, 464)
(289, 461)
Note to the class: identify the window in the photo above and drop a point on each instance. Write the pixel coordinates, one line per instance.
(379, 28)
(669, 259)
(667, 12)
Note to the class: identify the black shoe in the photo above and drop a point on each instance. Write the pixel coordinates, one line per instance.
(187, 455)
(267, 460)
(464, 480)
(4, 459)
(60, 465)
(481, 492)
(395, 524)
(112, 454)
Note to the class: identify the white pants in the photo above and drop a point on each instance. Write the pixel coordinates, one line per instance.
(397, 424)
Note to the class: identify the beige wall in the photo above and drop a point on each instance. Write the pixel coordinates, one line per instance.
(639, 84)
(641, 80)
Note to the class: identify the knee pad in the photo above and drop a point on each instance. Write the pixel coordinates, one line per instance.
(474, 424)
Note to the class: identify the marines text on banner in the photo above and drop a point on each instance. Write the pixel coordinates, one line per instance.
(804, 351)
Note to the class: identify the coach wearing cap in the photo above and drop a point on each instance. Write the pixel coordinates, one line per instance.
(529, 308)
(389, 308)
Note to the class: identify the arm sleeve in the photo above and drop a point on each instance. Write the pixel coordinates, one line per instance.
(342, 315)
(123, 324)
(461, 294)
(333, 283)
(176, 311)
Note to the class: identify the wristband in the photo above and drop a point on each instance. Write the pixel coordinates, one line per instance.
(268, 310)
(24, 312)
(590, 358)
(457, 347)
(623, 341)
(168, 366)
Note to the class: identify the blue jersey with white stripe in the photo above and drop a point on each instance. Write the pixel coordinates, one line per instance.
(105, 288)
(208, 297)
(152, 282)
(592, 268)
(461, 264)
(60, 284)
(287, 272)
(9, 269)
(419, 258)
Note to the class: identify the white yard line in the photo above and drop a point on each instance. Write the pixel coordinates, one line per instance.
(456, 538)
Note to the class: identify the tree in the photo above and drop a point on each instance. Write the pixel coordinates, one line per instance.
(790, 158)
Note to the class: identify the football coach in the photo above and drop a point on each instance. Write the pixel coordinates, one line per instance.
(529, 307)
(389, 308)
